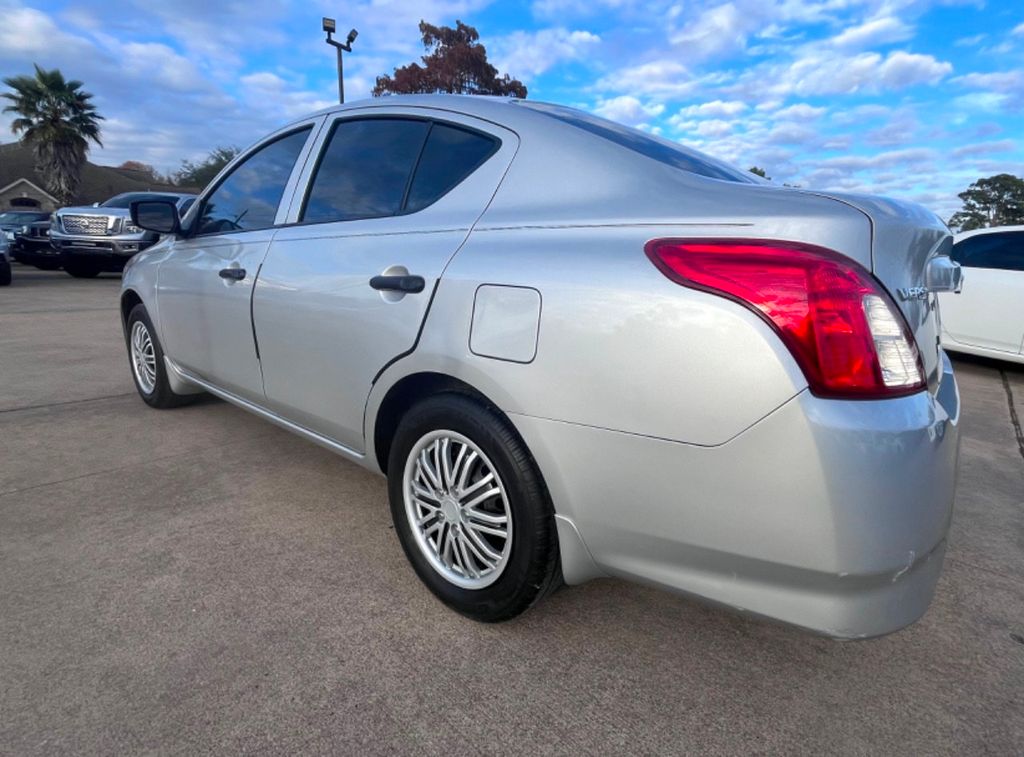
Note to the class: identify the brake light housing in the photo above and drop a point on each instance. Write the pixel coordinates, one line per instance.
(842, 328)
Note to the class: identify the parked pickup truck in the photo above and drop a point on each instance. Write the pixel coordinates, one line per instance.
(101, 237)
(31, 246)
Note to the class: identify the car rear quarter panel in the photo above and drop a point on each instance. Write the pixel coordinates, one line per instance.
(619, 345)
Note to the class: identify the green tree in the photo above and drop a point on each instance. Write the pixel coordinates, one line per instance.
(995, 201)
(759, 172)
(198, 175)
(455, 62)
(56, 119)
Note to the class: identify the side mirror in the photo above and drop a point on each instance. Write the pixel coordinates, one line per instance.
(95, 204)
(160, 216)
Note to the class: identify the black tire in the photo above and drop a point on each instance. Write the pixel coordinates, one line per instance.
(82, 269)
(533, 569)
(5, 274)
(161, 396)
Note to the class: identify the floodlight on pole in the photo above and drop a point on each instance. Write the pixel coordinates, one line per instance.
(330, 26)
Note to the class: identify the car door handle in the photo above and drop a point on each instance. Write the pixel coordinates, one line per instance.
(408, 283)
(234, 274)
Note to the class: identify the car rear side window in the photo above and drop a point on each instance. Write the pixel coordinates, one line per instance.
(450, 155)
(365, 169)
(248, 198)
(661, 150)
(1002, 250)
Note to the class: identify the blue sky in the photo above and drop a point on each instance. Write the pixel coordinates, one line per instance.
(910, 98)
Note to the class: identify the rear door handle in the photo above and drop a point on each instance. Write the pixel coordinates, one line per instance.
(234, 274)
(408, 283)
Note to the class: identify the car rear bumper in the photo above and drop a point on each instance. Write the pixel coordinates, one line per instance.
(828, 515)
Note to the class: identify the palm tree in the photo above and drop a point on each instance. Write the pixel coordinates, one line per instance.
(55, 117)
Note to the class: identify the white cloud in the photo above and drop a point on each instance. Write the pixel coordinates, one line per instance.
(877, 31)
(821, 74)
(714, 31)
(1018, 30)
(879, 160)
(28, 32)
(791, 134)
(972, 41)
(801, 112)
(902, 69)
(714, 109)
(661, 77)
(995, 90)
(628, 110)
(291, 101)
(163, 66)
(985, 148)
(563, 8)
(714, 128)
(1008, 82)
(528, 54)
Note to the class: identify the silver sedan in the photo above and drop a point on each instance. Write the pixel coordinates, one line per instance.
(577, 350)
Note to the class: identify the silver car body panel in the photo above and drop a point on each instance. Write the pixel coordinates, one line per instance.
(674, 430)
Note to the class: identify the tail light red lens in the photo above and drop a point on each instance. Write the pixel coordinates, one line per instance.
(841, 327)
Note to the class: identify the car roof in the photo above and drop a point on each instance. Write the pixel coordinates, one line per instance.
(989, 230)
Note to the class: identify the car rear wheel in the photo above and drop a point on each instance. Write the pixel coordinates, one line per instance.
(146, 358)
(82, 269)
(5, 273)
(471, 510)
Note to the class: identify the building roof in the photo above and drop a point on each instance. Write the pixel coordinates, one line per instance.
(98, 182)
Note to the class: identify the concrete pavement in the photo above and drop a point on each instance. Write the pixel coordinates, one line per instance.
(199, 581)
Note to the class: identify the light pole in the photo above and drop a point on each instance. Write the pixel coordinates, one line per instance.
(330, 27)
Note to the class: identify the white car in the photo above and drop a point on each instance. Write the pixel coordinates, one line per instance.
(987, 317)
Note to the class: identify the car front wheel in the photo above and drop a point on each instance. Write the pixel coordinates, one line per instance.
(146, 358)
(470, 509)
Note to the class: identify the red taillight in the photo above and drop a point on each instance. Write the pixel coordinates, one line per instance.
(840, 325)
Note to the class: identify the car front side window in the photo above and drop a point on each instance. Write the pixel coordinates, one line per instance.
(250, 195)
(1001, 250)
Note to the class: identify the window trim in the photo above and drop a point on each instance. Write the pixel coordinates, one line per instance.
(496, 144)
(200, 204)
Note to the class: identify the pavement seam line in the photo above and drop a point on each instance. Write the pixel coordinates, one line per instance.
(68, 402)
(56, 312)
(119, 468)
(1014, 418)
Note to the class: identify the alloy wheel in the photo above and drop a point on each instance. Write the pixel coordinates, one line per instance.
(458, 509)
(143, 357)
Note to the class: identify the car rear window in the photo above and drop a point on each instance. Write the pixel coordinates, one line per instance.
(655, 148)
(449, 156)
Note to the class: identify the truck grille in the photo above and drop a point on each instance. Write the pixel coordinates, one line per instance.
(91, 225)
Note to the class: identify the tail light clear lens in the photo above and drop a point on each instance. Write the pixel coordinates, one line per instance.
(841, 327)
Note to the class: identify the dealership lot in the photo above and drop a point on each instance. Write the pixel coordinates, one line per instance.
(198, 580)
